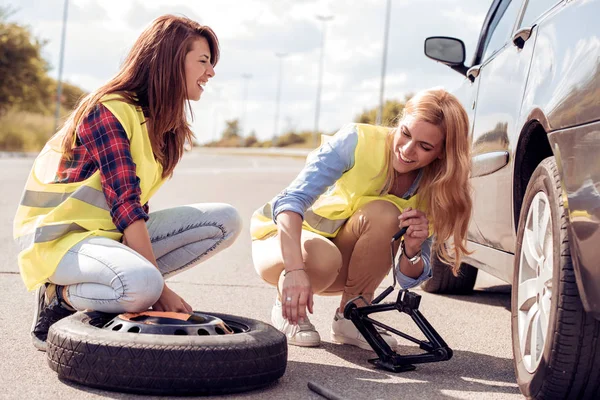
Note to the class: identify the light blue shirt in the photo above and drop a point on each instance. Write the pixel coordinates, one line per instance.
(323, 168)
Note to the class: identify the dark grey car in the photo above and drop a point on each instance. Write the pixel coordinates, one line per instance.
(532, 91)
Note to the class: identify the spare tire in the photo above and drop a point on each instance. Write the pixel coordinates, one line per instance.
(83, 349)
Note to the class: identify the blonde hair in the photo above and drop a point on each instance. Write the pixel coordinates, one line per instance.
(444, 190)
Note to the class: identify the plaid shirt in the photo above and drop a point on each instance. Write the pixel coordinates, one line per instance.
(102, 143)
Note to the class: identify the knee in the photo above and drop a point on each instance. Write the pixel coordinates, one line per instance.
(231, 223)
(322, 258)
(142, 288)
(380, 216)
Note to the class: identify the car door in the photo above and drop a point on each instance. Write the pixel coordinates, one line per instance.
(501, 77)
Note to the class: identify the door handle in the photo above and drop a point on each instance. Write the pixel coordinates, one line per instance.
(521, 36)
(487, 163)
(473, 72)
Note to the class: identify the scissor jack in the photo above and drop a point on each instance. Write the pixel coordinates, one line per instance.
(406, 302)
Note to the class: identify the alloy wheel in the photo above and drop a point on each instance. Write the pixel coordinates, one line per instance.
(535, 281)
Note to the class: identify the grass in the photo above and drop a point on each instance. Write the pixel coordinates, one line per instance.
(24, 131)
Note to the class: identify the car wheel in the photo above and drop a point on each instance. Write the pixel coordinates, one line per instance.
(555, 347)
(112, 352)
(443, 281)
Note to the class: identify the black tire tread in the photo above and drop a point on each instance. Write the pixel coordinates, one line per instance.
(167, 369)
(574, 366)
(443, 281)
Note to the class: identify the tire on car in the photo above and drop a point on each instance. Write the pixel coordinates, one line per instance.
(80, 350)
(444, 281)
(555, 343)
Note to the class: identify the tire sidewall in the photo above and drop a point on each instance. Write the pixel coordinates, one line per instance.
(541, 180)
(158, 364)
(78, 326)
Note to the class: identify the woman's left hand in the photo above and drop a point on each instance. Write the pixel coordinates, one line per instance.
(418, 229)
(171, 301)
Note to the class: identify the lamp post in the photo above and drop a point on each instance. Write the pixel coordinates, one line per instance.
(278, 98)
(324, 19)
(60, 65)
(384, 62)
(247, 78)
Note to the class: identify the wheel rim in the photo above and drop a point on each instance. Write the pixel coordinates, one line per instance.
(165, 323)
(535, 282)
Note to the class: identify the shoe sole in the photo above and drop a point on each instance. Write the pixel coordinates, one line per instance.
(304, 344)
(353, 342)
(37, 307)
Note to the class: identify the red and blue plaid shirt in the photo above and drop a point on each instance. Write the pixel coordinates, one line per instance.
(102, 143)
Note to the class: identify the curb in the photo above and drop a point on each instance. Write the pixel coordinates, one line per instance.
(268, 152)
(17, 154)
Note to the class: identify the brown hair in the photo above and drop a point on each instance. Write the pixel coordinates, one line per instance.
(444, 189)
(153, 78)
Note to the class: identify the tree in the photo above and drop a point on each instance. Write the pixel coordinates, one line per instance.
(232, 130)
(71, 94)
(392, 110)
(23, 71)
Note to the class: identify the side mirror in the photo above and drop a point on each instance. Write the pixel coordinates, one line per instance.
(447, 50)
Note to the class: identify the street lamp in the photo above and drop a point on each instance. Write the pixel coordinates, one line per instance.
(60, 65)
(324, 19)
(247, 78)
(384, 61)
(278, 98)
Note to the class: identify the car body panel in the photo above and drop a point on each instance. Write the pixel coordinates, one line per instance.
(563, 94)
(553, 82)
(502, 83)
(578, 150)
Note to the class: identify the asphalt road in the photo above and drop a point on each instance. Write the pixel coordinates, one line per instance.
(476, 327)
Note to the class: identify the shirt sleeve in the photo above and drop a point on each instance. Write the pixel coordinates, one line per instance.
(407, 282)
(323, 168)
(106, 141)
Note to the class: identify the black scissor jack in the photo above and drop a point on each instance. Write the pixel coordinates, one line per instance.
(407, 302)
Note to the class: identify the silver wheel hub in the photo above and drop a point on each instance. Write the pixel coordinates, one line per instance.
(535, 282)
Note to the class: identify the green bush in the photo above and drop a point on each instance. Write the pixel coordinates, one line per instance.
(24, 131)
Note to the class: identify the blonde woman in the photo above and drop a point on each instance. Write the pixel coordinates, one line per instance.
(328, 232)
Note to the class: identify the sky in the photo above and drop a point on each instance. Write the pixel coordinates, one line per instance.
(100, 33)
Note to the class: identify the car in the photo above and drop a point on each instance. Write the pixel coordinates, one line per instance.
(532, 92)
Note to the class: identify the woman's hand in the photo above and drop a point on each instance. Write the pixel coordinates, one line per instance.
(296, 296)
(170, 301)
(418, 229)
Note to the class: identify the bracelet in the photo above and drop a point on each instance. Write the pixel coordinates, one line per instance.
(297, 269)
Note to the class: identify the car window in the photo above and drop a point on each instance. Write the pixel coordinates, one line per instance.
(534, 9)
(501, 26)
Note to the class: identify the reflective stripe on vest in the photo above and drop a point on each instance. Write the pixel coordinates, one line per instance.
(49, 233)
(53, 217)
(86, 194)
(314, 220)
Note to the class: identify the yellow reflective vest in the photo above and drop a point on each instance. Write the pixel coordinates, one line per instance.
(355, 188)
(53, 217)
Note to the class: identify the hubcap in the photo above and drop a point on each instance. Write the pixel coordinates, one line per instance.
(172, 323)
(535, 282)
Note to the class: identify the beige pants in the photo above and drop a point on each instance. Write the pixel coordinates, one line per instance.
(353, 263)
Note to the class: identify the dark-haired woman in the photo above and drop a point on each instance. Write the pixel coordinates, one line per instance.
(87, 239)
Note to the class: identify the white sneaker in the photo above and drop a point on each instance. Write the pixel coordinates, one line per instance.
(343, 331)
(304, 334)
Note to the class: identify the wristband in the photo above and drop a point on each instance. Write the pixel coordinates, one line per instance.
(412, 260)
(297, 269)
